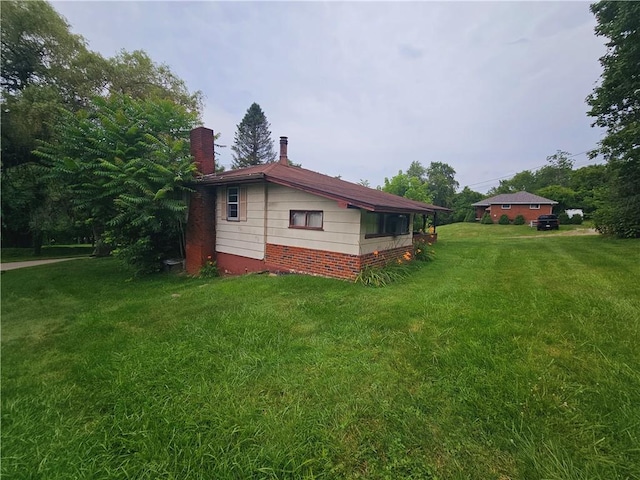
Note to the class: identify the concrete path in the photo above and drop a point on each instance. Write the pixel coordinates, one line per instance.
(32, 263)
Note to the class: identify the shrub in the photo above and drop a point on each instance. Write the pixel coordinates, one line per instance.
(380, 276)
(504, 220)
(563, 219)
(486, 219)
(209, 269)
(577, 219)
(141, 256)
(470, 217)
(519, 220)
(423, 251)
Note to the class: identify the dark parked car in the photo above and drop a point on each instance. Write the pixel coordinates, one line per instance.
(548, 222)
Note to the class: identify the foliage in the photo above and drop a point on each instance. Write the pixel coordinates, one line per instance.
(407, 186)
(563, 219)
(375, 276)
(486, 219)
(441, 181)
(126, 164)
(565, 197)
(558, 171)
(462, 209)
(504, 219)
(423, 251)
(252, 142)
(47, 74)
(519, 220)
(615, 105)
(576, 219)
(209, 269)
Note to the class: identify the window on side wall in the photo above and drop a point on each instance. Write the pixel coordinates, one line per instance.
(506, 206)
(309, 219)
(385, 224)
(236, 204)
(534, 206)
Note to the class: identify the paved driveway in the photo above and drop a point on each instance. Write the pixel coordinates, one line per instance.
(32, 263)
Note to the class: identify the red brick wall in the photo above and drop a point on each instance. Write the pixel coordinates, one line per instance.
(319, 262)
(515, 210)
(384, 257)
(200, 233)
(238, 265)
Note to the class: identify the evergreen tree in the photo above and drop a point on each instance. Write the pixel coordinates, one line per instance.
(252, 141)
(615, 104)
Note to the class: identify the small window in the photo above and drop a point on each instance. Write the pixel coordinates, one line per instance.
(506, 206)
(534, 206)
(233, 203)
(309, 219)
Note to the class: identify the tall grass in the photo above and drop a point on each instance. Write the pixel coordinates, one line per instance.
(504, 358)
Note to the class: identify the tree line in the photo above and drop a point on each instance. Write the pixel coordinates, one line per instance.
(98, 148)
(609, 194)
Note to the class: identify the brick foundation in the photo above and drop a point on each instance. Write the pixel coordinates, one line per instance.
(327, 264)
(306, 260)
(237, 265)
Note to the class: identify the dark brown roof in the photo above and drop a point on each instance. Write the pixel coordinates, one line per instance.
(322, 185)
(520, 198)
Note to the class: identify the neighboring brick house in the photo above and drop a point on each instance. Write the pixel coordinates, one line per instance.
(527, 204)
(279, 217)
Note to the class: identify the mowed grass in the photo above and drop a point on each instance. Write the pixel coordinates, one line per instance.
(506, 358)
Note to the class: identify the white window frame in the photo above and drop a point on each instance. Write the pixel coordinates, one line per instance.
(505, 206)
(534, 206)
(230, 192)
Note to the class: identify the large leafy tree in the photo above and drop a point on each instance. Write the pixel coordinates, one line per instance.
(615, 104)
(126, 163)
(462, 209)
(47, 73)
(44, 68)
(252, 141)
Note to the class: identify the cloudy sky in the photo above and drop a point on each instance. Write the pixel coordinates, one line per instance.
(363, 89)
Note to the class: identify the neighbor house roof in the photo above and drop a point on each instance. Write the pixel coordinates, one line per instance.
(520, 198)
(350, 194)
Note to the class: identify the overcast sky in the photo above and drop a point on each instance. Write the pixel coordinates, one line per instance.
(364, 89)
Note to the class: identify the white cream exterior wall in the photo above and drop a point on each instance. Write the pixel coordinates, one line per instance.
(340, 228)
(343, 228)
(244, 238)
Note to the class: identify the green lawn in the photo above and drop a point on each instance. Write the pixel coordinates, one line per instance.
(507, 357)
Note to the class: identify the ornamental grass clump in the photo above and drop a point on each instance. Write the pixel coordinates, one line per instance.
(392, 270)
(423, 251)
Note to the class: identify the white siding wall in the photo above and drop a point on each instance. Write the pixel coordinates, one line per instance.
(242, 238)
(341, 226)
(370, 245)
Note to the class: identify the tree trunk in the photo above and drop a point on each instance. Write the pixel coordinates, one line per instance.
(101, 249)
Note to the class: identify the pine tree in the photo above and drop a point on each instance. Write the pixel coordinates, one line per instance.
(252, 141)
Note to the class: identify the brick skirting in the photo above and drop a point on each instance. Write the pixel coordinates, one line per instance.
(328, 264)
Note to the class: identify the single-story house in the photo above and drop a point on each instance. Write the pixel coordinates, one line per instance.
(279, 217)
(527, 204)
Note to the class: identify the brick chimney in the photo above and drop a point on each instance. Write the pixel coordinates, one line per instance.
(200, 234)
(283, 151)
(202, 149)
